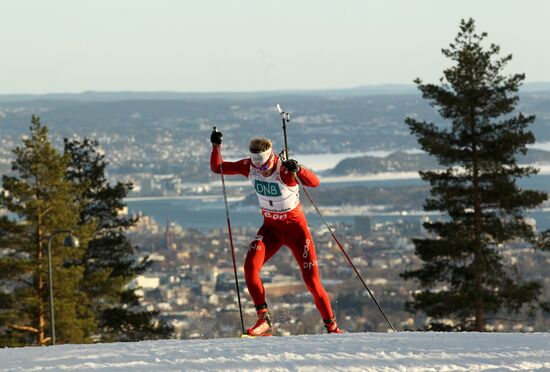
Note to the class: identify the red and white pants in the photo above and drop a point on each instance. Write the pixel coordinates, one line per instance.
(295, 234)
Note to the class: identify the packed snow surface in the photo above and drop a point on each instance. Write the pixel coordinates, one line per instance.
(410, 351)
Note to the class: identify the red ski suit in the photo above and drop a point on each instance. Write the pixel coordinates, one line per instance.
(280, 229)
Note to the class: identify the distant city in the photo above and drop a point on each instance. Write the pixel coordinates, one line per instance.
(191, 281)
(160, 143)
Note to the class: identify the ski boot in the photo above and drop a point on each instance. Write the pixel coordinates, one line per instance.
(263, 325)
(332, 326)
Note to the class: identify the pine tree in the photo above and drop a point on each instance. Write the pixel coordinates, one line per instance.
(43, 201)
(49, 191)
(463, 274)
(109, 262)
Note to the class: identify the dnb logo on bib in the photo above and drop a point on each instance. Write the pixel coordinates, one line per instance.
(267, 188)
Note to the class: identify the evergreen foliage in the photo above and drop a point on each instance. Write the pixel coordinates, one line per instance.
(43, 201)
(464, 275)
(109, 263)
(48, 191)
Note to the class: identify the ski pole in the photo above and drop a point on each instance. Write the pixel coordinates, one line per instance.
(231, 239)
(285, 118)
(345, 253)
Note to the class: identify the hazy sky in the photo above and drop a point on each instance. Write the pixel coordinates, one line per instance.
(245, 45)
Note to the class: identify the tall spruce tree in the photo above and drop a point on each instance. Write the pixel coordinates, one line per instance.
(463, 275)
(43, 201)
(109, 262)
(50, 191)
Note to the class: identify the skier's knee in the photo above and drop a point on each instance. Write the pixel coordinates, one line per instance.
(257, 244)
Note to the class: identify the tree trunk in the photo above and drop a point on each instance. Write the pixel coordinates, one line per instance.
(40, 283)
(477, 263)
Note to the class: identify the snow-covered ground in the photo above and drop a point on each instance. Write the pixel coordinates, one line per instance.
(404, 351)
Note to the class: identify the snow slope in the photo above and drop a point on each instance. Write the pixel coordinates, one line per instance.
(350, 352)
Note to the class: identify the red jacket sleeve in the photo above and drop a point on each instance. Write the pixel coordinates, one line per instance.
(229, 167)
(307, 177)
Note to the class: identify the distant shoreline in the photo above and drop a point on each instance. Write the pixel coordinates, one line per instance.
(185, 197)
(385, 176)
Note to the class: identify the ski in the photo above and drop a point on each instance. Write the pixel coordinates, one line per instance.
(249, 336)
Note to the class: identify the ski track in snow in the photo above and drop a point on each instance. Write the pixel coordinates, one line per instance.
(404, 351)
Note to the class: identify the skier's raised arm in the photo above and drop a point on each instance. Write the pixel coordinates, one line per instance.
(305, 175)
(238, 167)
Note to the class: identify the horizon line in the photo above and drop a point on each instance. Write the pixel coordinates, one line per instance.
(87, 91)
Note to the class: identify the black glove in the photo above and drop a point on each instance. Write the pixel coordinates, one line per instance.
(291, 165)
(216, 137)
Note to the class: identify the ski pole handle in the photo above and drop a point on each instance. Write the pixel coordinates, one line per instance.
(284, 118)
(284, 115)
(216, 137)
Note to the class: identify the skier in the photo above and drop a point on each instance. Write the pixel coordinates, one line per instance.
(284, 224)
